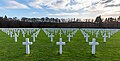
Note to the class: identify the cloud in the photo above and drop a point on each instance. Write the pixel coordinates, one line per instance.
(83, 15)
(12, 4)
(112, 5)
(106, 1)
(69, 8)
(112, 12)
(35, 4)
(34, 12)
(91, 8)
(51, 4)
(62, 4)
(109, 8)
(1, 8)
(65, 14)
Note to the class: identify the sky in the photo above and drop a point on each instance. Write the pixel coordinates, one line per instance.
(60, 8)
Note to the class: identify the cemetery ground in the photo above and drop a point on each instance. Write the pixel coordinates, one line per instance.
(45, 50)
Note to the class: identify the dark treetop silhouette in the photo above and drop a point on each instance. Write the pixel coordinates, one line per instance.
(59, 23)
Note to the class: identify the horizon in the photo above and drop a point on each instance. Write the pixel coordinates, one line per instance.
(60, 8)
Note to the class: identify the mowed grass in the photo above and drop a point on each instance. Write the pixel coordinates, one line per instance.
(44, 50)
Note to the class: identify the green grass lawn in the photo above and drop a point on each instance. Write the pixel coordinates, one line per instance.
(44, 50)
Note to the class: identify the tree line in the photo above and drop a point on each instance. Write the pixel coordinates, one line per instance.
(60, 23)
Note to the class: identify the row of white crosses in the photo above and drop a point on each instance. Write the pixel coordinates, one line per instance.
(14, 32)
(27, 43)
(96, 32)
(49, 33)
(34, 35)
(93, 43)
(60, 43)
(86, 36)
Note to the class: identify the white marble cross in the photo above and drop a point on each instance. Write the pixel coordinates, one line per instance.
(8, 32)
(37, 33)
(11, 34)
(60, 33)
(55, 31)
(92, 32)
(104, 36)
(27, 32)
(51, 37)
(69, 36)
(97, 34)
(18, 32)
(33, 37)
(27, 43)
(65, 32)
(109, 34)
(15, 37)
(48, 33)
(93, 43)
(86, 36)
(23, 33)
(60, 43)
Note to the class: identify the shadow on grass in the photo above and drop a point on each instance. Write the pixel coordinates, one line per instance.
(92, 57)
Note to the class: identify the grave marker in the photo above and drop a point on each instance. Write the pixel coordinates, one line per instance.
(60, 43)
(60, 33)
(15, 37)
(69, 36)
(33, 37)
(51, 37)
(93, 43)
(97, 34)
(11, 34)
(86, 36)
(23, 33)
(104, 36)
(109, 34)
(27, 32)
(27, 43)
